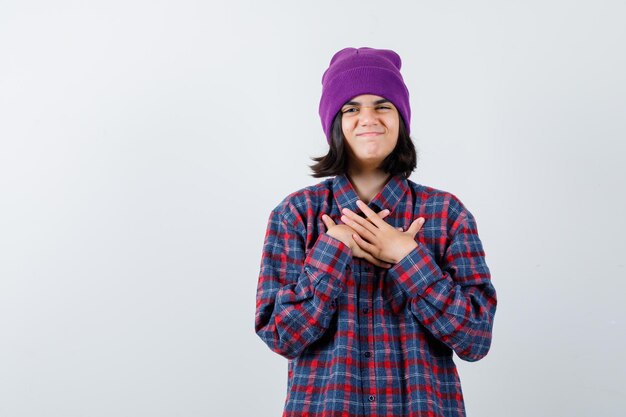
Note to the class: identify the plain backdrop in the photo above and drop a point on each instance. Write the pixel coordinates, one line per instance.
(143, 145)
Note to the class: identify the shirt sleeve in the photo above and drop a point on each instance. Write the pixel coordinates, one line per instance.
(455, 300)
(297, 292)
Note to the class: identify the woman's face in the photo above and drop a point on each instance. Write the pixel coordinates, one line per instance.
(370, 124)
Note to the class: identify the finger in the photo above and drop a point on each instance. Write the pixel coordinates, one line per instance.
(361, 226)
(371, 215)
(364, 244)
(328, 221)
(365, 223)
(400, 229)
(376, 261)
(382, 214)
(416, 226)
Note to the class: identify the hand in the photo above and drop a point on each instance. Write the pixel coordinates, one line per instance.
(344, 233)
(379, 238)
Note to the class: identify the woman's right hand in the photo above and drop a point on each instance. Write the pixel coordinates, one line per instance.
(343, 232)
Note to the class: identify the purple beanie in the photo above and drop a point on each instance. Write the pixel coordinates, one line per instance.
(353, 72)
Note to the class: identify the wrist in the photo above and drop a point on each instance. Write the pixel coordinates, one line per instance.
(408, 249)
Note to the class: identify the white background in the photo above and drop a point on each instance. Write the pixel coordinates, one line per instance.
(144, 143)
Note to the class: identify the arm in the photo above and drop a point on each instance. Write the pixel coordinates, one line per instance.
(296, 293)
(455, 301)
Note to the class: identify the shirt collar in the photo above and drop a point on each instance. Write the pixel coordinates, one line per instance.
(388, 198)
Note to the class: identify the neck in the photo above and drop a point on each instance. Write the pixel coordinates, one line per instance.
(367, 183)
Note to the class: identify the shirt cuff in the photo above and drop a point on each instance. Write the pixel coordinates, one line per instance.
(326, 264)
(415, 272)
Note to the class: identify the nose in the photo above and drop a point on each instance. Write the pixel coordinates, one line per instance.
(367, 115)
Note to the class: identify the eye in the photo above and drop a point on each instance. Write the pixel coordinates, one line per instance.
(349, 110)
(383, 108)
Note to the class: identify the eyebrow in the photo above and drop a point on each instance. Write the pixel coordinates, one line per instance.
(356, 103)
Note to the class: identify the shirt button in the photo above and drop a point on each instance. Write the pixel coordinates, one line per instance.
(371, 398)
(366, 310)
(367, 268)
(368, 354)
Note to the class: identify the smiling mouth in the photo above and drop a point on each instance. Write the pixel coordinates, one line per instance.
(370, 134)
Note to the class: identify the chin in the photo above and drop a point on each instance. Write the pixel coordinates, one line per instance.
(374, 156)
(371, 161)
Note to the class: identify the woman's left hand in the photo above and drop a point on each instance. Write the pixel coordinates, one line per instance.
(379, 238)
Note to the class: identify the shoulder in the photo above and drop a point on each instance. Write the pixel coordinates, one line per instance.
(440, 202)
(294, 206)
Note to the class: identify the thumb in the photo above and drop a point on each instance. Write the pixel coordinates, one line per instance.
(327, 221)
(416, 226)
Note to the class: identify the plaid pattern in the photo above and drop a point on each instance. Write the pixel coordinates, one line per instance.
(369, 341)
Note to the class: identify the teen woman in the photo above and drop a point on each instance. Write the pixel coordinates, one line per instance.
(369, 281)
